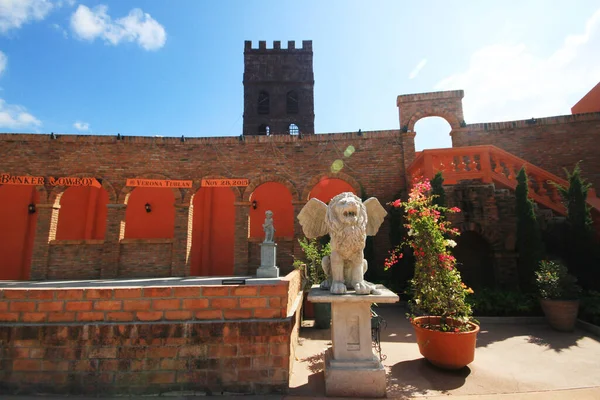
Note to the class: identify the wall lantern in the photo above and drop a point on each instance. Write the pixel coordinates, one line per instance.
(31, 208)
(148, 207)
(254, 204)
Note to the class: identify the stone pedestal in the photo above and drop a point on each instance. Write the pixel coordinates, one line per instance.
(268, 260)
(351, 367)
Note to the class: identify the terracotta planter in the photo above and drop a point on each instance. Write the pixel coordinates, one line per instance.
(561, 314)
(448, 350)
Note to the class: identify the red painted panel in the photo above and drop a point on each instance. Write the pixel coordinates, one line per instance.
(18, 230)
(82, 213)
(277, 198)
(159, 223)
(328, 188)
(213, 232)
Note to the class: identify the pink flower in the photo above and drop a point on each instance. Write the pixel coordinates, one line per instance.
(397, 203)
(455, 209)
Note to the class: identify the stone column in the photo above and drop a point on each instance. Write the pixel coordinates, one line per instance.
(240, 252)
(351, 367)
(182, 243)
(115, 231)
(45, 231)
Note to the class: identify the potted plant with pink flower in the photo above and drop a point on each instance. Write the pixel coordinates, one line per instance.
(442, 319)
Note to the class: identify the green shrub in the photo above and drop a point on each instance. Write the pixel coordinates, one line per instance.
(501, 303)
(589, 307)
(554, 282)
(314, 251)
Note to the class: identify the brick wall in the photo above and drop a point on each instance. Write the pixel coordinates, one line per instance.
(88, 253)
(145, 257)
(376, 164)
(550, 143)
(149, 340)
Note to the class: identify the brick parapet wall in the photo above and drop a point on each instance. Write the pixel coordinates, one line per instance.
(149, 340)
(550, 143)
(178, 303)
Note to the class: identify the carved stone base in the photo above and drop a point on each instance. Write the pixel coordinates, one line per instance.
(268, 261)
(354, 378)
(267, 272)
(351, 367)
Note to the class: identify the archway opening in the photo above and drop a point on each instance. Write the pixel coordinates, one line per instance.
(275, 197)
(432, 133)
(213, 232)
(82, 213)
(18, 220)
(150, 214)
(328, 188)
(475, 260)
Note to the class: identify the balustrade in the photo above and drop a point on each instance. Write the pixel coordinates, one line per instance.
(490, 164)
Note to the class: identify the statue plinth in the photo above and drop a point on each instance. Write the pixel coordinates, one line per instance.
(351, 367)
(268, 261)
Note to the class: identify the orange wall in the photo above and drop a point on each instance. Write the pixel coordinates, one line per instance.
(82, 213)
(18, 230)
(160, 223)
(328, 188)
(277, 198)
(213, 232)
(589, 103)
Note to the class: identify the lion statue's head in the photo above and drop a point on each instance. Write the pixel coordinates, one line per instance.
(344, 210)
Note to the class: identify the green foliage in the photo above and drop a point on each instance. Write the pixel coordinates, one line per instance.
(437, 190)
(554, 282)
(529, 238)
(314, 251)
(499, 303)
(581, 251)
(589, 308)
(437, 287)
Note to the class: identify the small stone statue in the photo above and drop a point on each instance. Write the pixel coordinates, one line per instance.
(268, 227)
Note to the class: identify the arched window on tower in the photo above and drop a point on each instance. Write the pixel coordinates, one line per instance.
(264, 129)
(293, 129)
(292, 102)
(263, 102)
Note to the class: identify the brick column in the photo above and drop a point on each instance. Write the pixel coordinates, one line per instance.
(296, 249)
(408, 153)
(182, 240)
(240, 252)
(45, 231)
(115, 231)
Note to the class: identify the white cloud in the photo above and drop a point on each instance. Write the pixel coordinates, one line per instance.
(505, 82)
(16, 117)
(137, 26)
(3, 62)
(81, 126)
(15, 13)
(417, 69)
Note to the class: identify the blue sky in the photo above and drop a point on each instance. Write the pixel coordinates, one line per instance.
(172, 68)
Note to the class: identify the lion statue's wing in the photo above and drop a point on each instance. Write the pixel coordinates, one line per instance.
(375, 215)
(312, 218)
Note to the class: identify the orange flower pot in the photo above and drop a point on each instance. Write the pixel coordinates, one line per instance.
(448, 350)
(561, 314)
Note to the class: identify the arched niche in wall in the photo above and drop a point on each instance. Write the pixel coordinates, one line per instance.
(213, 232)
(475, 261)
(18, 219)
(82, 213)
(328, 188)
(150, 214)
(275, 197)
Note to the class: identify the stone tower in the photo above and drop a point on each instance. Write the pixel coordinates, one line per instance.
(278, 89)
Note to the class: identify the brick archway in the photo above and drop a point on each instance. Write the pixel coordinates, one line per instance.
(330, 175)
(269, 178)
(446, 104)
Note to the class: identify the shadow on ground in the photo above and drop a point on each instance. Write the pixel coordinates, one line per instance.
(418, 377)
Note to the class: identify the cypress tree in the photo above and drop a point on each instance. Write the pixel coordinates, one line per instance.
(529, 239)
(437, 190)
